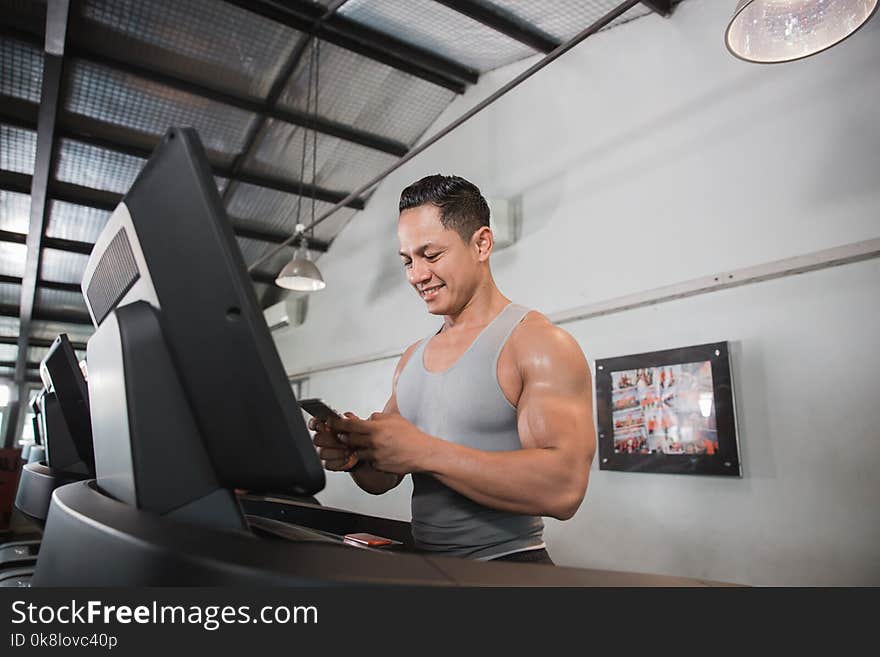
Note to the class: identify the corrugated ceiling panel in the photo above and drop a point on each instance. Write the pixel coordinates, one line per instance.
(60, 300)
(8, 352)
(21, 75)
(368, 95)
(432, 26)
(15, 210)
(12, 258)
(277, 212)
(253, 249)
(202, 40)
(9, 326)
(36, 354)
(62, 267)
(98, 168)
(10, 294)
(50, 330)
(18, 148)
(568, 17)
(263, 208)
(75, 222)
(341, 165)
(332, 225)
(132, 102)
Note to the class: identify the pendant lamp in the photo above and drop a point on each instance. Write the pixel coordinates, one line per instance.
(774, 31)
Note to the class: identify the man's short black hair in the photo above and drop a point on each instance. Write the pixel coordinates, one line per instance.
(462, 206)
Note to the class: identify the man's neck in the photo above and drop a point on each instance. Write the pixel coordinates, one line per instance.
(485, 304)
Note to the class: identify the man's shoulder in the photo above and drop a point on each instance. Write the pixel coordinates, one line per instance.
(537, 336)
(408, 351)
(536, 328)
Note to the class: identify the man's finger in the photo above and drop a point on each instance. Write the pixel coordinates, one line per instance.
(337, 465)
(317, 425)
(327, 440)
(350, 425)
(358, 440)
(333, 453)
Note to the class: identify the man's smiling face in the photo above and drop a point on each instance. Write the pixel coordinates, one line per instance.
(441, 267)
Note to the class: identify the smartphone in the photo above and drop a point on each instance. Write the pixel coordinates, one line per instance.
(368, 540)
(319, 409)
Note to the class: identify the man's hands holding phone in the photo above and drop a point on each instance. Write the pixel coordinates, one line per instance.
(335, 454)
(386, 442)
(342, 448)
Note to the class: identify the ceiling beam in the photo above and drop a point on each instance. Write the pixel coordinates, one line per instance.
(57, 12)
(263, 277)
(68, 246)
(365, 41)
(107, 201)
(63, 316)
(89, 131)
(12, 181)
(662, 7)
(505, 23)
(73, 246)
(42, 343)
(99, 199)
(85, 247)
(12, 363)
(12, 238)
(288, 187)
(44, 285)
(319, 246)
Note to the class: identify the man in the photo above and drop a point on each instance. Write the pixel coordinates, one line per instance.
(492, 415)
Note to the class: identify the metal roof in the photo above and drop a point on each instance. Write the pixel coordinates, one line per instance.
(76, 129)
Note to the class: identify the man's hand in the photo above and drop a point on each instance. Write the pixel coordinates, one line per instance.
(388, 441)
(334, 454)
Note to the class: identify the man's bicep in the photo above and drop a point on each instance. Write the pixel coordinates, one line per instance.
(556, 419)
(556, 405)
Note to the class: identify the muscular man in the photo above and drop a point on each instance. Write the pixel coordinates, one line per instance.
(491, 415)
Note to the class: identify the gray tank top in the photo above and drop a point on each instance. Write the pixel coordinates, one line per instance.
(464, 404)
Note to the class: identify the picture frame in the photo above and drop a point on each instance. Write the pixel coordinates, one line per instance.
(669, 412)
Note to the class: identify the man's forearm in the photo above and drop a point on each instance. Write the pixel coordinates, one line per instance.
(527, 481)
(374, 481)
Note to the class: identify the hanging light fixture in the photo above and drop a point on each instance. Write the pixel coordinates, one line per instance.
(301, 274)
(774, 31)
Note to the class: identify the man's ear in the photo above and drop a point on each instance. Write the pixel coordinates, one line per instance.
(482, 242)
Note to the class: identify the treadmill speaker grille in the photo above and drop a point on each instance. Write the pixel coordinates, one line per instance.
(114, 275)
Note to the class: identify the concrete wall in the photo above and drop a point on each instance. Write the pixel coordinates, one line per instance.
(645, 157)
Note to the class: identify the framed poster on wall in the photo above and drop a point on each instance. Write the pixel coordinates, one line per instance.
(668, 411)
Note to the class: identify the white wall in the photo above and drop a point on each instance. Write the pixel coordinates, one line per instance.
(645, 157)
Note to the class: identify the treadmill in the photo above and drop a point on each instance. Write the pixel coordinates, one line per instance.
(189, 402)
(63, 430)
